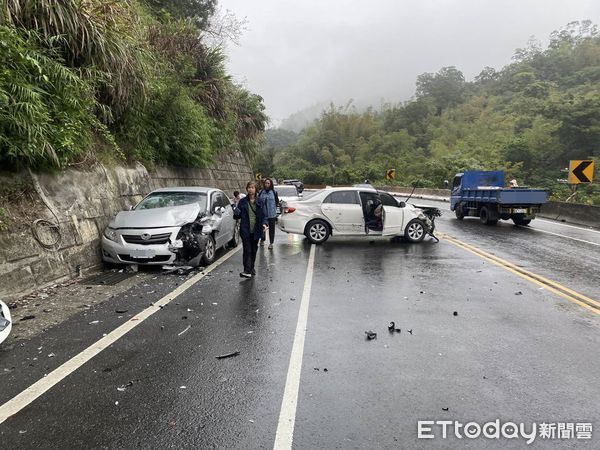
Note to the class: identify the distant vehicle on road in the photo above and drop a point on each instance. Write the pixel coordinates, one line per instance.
(482, 194)
(181, 226)
(5, 321)
(299, 185)
(355, 211)
(286, 193)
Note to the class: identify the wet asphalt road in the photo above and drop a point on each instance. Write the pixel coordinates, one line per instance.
(531, 357)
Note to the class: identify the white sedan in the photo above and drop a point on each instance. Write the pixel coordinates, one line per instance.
(355, 211)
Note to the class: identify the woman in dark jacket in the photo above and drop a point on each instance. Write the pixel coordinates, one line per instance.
(253, 222)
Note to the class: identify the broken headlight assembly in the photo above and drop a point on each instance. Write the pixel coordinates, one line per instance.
(190, 242)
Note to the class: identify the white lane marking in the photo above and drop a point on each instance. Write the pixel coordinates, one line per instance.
(553, 222)
(567, 237)
(287, 416)
(27, 396)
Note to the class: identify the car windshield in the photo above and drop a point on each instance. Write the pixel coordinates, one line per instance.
(286, 191)
(168, 199)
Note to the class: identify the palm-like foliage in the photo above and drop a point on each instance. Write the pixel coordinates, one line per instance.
(92, 36)
(46, 110)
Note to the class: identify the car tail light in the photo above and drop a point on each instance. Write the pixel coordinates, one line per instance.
(289, 209)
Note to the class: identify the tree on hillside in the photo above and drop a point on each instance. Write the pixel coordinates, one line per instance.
(446, 87)
(200, 10)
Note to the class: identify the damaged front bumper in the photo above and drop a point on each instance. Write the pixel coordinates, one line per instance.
(172, 246)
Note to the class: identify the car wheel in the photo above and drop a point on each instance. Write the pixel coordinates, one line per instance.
(415, 231)
(458, 211)
(210, 251)
(317, 231)
(486, 216)
(235, 240)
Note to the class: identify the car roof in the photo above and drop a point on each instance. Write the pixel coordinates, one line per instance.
(203, 190)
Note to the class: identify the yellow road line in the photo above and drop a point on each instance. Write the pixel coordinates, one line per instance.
(550, 285)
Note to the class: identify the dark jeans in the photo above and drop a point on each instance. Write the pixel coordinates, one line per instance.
(250, 247)
(271, 231)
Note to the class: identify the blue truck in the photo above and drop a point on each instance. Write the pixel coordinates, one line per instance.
(483, 194)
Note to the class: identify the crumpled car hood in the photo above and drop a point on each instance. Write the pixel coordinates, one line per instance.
(172, 216)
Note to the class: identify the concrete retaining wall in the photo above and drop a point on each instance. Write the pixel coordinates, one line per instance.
(81, 203)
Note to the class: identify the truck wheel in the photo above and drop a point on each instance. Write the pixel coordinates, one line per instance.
(415, 231)
(317, 231)
(519, 219)
(487, 217)
(460, 214)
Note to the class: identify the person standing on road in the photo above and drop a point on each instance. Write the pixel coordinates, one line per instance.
(253, 223)
(237, 197)
(270, 201)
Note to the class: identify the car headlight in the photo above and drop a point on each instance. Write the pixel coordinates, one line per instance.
(111, 234)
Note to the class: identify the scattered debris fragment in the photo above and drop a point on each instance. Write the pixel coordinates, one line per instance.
(51, 355)
(228, 355)
(391, 327)
(325, 369)
(371, 335)
(27, 318)
(455, 313)
(518, 293)
(94, 322)
(188, 327)
(182, 387)
(121, 311)
(410, 331)
(444, 409)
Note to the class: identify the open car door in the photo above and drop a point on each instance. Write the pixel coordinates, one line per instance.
(393, 215)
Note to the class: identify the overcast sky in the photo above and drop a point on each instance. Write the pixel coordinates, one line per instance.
(298, 53)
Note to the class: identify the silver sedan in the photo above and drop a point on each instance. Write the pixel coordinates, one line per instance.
(181, 226)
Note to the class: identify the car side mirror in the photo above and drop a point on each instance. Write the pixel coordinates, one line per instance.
(402, 204)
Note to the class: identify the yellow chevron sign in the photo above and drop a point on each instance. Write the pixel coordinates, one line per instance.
(390, 174)
(259, 176)
(581, 171)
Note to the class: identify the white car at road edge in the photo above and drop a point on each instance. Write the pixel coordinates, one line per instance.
(355, 211)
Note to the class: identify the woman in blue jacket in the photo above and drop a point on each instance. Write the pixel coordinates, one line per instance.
(270, 201)
(253, 223)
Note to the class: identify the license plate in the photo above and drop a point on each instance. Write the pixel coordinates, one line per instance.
(520, 210)
(142, 253)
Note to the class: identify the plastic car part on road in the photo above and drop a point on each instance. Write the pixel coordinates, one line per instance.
(5, 321)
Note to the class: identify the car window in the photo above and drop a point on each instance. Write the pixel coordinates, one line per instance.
(388, 200)
(168, 199)
(223, 200)
(343, 197)
(286, 191)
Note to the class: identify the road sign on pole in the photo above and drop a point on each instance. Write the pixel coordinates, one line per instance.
(390, 174)
(259, 176)
(581, 171)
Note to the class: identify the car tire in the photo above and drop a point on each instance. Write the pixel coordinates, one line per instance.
(415, 231)
(487, 217)
(210, 251)
(235, 240)
(317, 231)
(459, 212)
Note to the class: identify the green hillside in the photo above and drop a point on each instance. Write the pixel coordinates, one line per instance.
(82, 81)
(529, 118)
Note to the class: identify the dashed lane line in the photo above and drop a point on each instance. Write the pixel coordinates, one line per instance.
(287, 415)
(34, 391)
